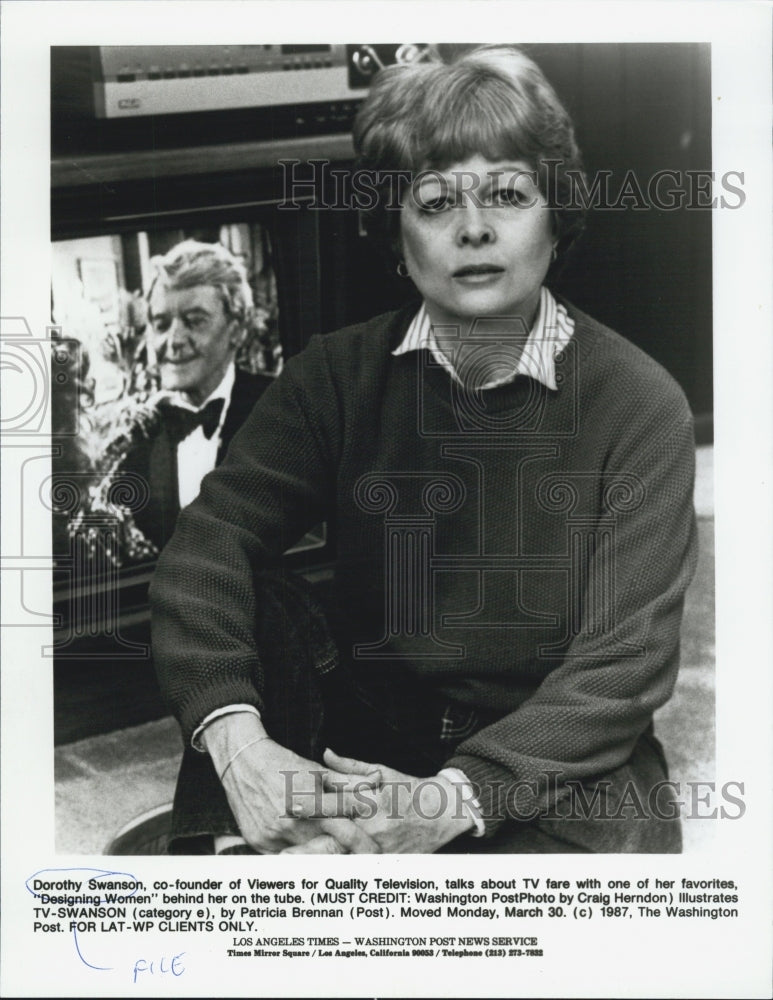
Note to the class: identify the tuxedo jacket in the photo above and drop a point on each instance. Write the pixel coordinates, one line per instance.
(155, 459)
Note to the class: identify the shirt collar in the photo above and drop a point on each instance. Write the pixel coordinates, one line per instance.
(223, 391)
(552, 331)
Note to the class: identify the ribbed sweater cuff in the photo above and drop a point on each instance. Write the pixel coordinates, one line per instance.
(491, 785)
(199, 703)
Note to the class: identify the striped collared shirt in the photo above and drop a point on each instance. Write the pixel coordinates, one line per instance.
(551, 332)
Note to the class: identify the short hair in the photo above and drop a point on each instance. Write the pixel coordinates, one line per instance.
(190, 263)
(493, 101)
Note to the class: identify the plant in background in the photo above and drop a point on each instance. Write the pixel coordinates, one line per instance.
(114, 494)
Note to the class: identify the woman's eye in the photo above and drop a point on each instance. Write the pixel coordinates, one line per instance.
(511, 196)
(434, 203)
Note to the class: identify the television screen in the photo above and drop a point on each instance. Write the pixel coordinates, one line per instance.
(106, 386)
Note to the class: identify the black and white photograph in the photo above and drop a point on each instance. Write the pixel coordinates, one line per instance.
(386, 473)
(509, 502)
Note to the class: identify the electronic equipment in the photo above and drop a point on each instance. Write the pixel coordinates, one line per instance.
(135, 80)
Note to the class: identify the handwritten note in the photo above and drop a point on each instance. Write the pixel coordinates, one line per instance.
(89, 901)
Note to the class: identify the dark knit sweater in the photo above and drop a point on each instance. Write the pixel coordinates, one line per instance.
(551, 533)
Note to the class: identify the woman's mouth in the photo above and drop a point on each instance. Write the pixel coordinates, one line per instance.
(478, 273)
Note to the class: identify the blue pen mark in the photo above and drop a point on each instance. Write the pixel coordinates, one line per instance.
(99, 968)
(175, 967)
(42, 888)
(100, 873)
(69, 892)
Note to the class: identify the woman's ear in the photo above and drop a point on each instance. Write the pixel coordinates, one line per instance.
(555, 236)
(396, 247)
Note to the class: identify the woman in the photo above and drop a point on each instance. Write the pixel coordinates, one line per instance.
(511, 486)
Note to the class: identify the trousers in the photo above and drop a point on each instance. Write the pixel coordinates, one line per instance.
(315, 697)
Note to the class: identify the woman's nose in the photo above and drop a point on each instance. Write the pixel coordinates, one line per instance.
(475, 228)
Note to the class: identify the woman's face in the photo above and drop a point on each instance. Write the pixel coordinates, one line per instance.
(476, 240)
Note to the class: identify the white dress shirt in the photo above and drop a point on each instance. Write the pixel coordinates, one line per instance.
(197, 454)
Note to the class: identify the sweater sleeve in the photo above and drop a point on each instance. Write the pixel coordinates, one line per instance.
(275, 483)
(586, 716)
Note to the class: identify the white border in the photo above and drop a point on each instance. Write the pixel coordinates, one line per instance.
(697, 959)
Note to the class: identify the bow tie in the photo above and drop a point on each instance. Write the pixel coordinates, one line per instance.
(181, 421)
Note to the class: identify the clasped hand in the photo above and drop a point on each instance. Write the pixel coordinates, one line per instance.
(281, 800)
(402, 814)
(286, 804)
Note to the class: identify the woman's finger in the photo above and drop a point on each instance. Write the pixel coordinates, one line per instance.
(343, 782)
(340, 803)
(350, 764)
(351, 837)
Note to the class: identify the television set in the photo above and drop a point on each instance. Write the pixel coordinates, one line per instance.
(306, 268)
(124, 189)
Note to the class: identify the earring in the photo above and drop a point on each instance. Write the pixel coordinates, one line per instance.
(402, 270)
(553, 255)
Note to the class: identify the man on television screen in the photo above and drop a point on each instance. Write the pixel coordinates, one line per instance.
(198, 306)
